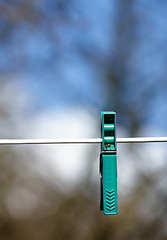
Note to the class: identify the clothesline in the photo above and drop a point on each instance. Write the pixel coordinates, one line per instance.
(81, 140)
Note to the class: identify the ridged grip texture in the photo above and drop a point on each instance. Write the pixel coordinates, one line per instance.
(110, 200)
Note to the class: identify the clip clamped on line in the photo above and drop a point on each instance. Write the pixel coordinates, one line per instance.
(108, 164)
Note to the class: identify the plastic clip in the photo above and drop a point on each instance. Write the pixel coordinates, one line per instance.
(108, 164)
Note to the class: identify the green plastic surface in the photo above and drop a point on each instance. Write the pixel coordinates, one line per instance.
(108, 121)
(110, 184)
(109, 163)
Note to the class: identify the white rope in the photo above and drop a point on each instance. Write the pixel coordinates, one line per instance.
(80, 140)
(142, 140)
(49, 141)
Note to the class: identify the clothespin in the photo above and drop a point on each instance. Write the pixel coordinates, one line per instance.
(108, 164)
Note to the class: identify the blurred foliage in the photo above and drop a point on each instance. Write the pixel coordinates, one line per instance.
(32, 207)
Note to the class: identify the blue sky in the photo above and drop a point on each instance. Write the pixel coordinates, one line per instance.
(49, 61)
(48, 79)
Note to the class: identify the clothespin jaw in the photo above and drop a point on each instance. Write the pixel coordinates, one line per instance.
(108, 164)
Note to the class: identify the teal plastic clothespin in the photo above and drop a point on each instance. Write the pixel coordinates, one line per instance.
(108, 164)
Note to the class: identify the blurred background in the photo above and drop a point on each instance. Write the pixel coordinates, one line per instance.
(61, 64)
